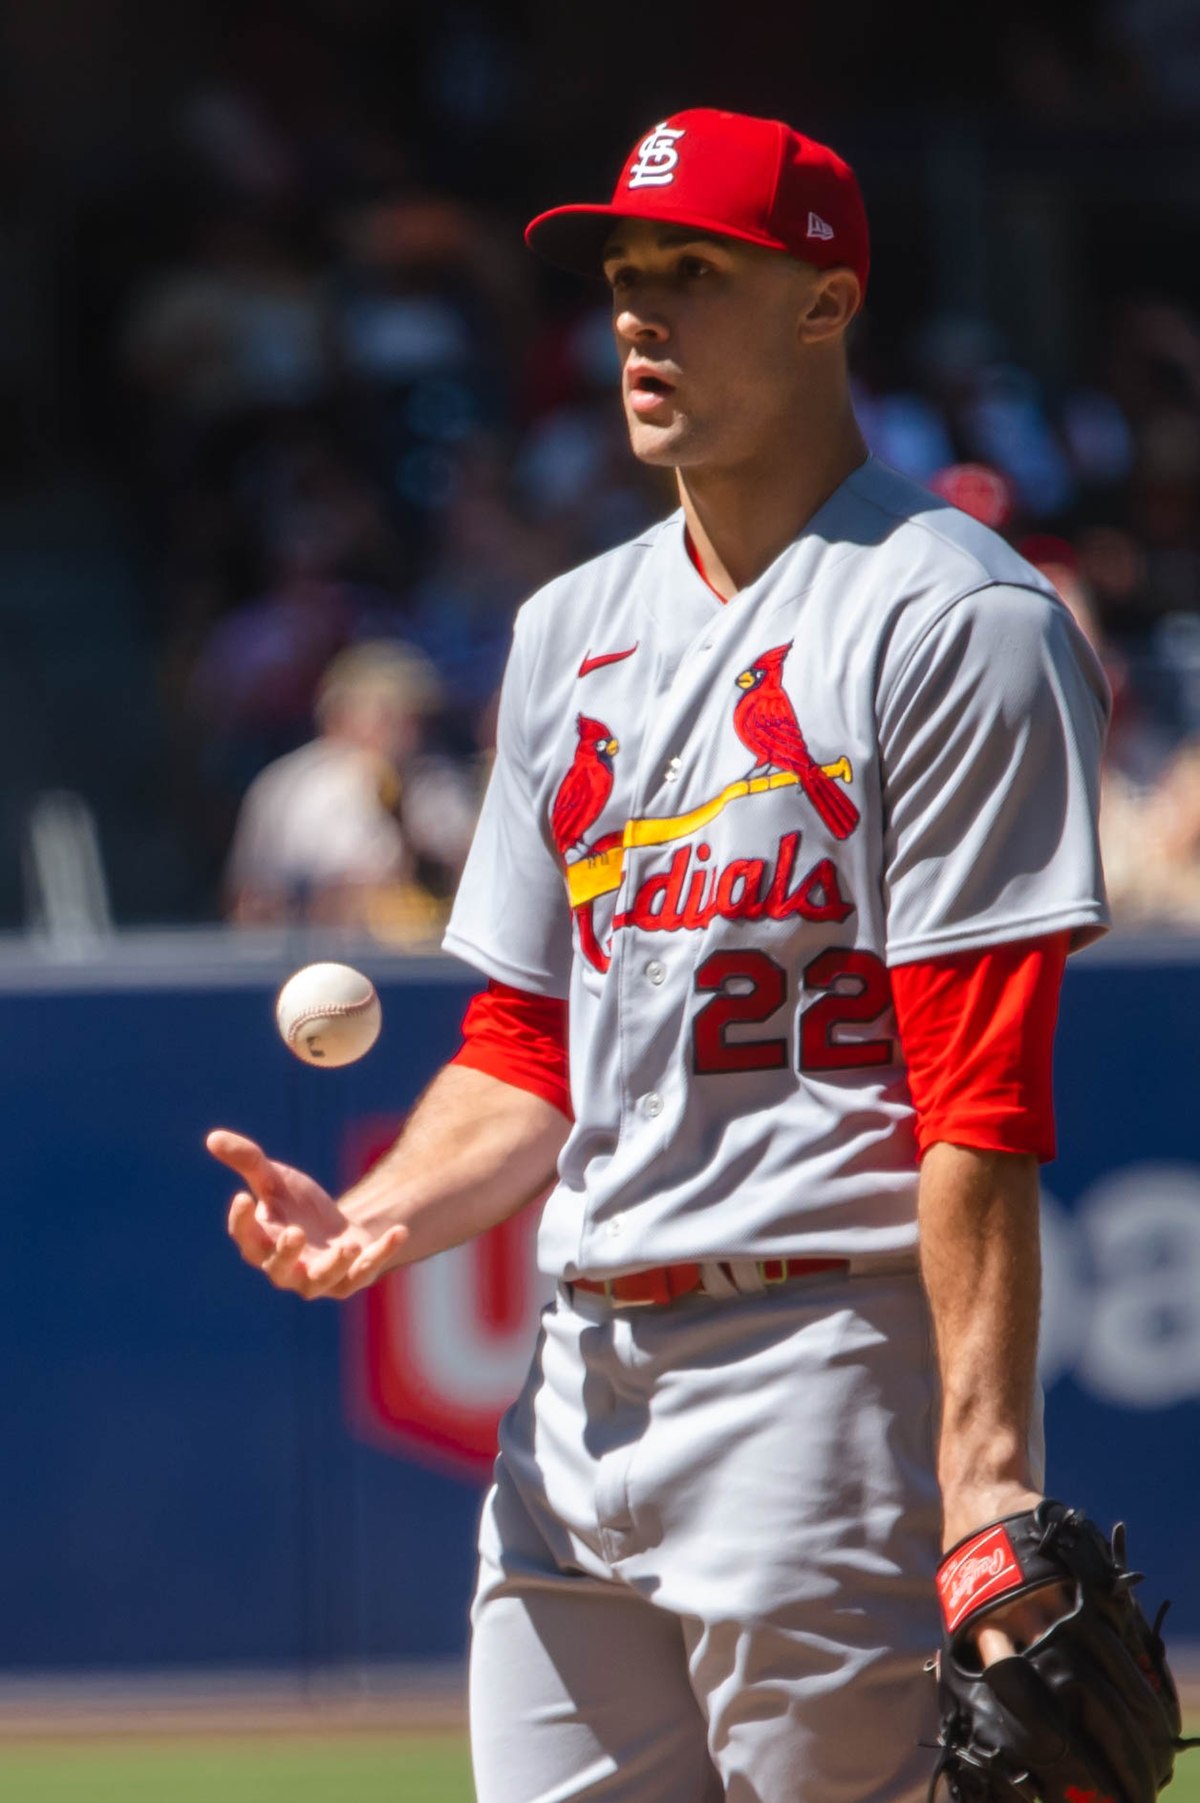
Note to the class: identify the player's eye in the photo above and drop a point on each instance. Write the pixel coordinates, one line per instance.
(692, 268)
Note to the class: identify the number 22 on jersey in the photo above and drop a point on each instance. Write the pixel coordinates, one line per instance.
(747, 987)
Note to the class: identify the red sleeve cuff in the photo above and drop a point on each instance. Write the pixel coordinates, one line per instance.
(519, 1038)
(978, 1037)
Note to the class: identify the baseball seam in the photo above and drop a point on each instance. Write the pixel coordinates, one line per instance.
(332, 1009)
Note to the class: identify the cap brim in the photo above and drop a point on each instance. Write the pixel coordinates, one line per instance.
(574, 237)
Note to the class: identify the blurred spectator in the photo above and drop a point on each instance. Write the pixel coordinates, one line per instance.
(488, 559)
(363, 827)
(341, 405)
(1164, 33)
(1006, 423)
(576, 478)
(425, 324)
(1134, 746)
(235, 329)
(904, 430)
(256, 675)
(1152, 846)
(1149, 815)
(979, 490)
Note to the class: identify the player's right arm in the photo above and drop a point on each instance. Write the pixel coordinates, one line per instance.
(475, 1150)
(483, 1140)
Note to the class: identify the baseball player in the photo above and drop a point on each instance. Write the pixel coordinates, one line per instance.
(791, 828)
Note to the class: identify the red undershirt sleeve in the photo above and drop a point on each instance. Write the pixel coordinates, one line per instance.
(520, 1038)
(977, 1030)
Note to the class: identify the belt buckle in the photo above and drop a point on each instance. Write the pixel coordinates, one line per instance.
(782, 1265)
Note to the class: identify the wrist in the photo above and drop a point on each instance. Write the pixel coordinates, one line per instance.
(969, 1507)
(378, 1201)
(972, 1456)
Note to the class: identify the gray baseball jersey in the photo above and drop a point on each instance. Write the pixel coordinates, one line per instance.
(714, 828)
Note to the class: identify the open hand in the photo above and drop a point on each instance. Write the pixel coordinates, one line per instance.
(293, 1231)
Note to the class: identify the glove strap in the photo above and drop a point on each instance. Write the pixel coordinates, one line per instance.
(980, 1570)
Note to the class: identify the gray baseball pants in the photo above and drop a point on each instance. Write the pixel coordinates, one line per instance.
(706, 1563)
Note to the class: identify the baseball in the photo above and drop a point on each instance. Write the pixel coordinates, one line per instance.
(329, 1014)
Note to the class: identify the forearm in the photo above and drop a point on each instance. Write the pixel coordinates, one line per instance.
(980, 1261)
(473, 1152)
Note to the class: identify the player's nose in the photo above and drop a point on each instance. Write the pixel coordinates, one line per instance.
(640, 325)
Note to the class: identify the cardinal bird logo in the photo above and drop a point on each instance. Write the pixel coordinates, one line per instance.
(584, 791)
(766, 723)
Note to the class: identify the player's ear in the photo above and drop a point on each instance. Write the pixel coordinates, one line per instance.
(832, 300)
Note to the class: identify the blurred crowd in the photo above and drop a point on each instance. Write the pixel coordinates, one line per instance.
(359, 426)
(1099, 488)
(362, 466)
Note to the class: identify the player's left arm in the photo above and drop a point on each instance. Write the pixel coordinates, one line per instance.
(980, 1262)
(978, 1215)
(992, 719)
(977, 1030)
(978, 1035)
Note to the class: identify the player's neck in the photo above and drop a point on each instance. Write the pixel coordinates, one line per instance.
(740, 519)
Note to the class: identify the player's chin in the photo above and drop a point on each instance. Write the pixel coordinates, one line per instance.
(662, 445)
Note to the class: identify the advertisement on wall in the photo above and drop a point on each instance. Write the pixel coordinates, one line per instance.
(323, 1466)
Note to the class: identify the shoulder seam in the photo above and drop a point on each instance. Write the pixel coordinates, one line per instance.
(923, 525)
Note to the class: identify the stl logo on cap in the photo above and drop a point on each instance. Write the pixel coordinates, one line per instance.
(657, 157)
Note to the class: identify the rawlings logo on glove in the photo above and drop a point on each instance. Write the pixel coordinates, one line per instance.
(982, 1571)
(1088, 1713)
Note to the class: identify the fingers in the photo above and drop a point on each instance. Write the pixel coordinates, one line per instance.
(993, 1644)
(283, 1263)
(1011, 1629)
(327, 1269)
(245, 1157)
(249, 1232)
(338, 1270)
(274, 1250)
(280, 1249)
(371, 1263)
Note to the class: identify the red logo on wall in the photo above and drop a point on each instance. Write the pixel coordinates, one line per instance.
(434, 1353)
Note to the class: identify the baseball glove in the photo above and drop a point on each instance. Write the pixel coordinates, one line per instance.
(1089, 1712)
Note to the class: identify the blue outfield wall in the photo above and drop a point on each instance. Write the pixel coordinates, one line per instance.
(189, 1474)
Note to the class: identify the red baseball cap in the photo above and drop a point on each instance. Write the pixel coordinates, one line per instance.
(729, 174)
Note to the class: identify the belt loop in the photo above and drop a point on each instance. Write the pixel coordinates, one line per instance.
(747, 1276)
(717, 1279)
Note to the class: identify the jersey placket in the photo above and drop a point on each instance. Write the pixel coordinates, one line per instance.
(675, 768)
(638, 978)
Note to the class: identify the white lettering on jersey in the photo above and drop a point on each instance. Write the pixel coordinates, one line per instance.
(819, 228)
(657, 158)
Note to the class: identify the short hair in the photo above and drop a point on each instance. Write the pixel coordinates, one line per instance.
(378, 667)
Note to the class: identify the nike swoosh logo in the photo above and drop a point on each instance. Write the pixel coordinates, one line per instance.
(591, 663)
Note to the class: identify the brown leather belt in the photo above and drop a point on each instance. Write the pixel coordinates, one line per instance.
(642, 1289)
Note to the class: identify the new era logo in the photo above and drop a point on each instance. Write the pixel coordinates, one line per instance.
(657, 157)
(818, 227)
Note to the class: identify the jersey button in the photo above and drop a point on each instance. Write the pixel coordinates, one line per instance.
(652, 1104)
(656, 972)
